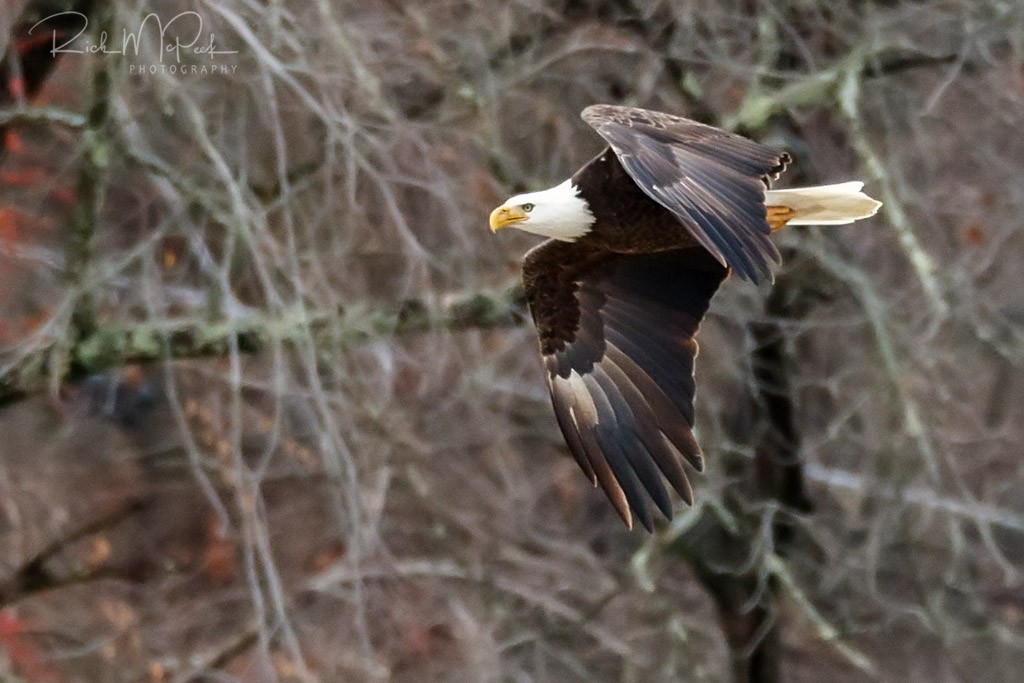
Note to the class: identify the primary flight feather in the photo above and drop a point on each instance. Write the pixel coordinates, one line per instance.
(641, 238)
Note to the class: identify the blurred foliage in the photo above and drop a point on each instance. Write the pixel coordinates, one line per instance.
(312, 496)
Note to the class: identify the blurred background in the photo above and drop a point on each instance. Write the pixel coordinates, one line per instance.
(269, 409)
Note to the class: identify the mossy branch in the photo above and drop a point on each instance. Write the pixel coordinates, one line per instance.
(114, 345)
(92, 187)
(93, 178)
(822, 88)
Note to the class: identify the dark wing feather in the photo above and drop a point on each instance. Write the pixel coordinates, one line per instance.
(617, 335)
(713, 181)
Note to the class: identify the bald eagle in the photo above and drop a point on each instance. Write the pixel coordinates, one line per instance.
(640, 239)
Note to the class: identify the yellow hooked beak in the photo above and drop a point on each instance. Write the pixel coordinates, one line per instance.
(504, 216)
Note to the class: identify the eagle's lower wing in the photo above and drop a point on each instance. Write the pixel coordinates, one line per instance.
(617, 336)
(713, 181)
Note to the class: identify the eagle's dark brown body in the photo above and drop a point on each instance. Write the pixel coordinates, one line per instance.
(627, 220)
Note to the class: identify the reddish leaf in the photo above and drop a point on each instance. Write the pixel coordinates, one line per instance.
(23, 178)
(974, 235)
(12, 142)
(8, 226)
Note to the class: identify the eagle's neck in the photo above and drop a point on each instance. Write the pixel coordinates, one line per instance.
(560, 212)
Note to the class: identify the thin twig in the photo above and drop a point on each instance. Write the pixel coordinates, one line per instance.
(33, 576)
(33, 115)
(922, 262)
(827, 633)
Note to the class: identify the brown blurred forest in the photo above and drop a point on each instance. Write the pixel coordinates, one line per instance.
(269, 410)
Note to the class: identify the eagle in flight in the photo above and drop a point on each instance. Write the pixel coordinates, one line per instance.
(640, 239)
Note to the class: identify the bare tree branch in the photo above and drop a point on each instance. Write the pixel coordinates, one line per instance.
(33, 576)
(116, 345)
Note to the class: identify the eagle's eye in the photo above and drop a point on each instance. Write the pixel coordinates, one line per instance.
(527, 207)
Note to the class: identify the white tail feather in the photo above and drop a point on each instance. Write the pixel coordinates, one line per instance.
(825, 204)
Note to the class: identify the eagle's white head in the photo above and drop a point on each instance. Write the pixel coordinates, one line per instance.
(559, 212)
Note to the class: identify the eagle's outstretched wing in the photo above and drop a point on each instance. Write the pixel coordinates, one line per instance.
(711, 180)
(617, 336)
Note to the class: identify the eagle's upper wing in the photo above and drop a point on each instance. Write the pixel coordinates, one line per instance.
(617, 336)
(712, 180)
